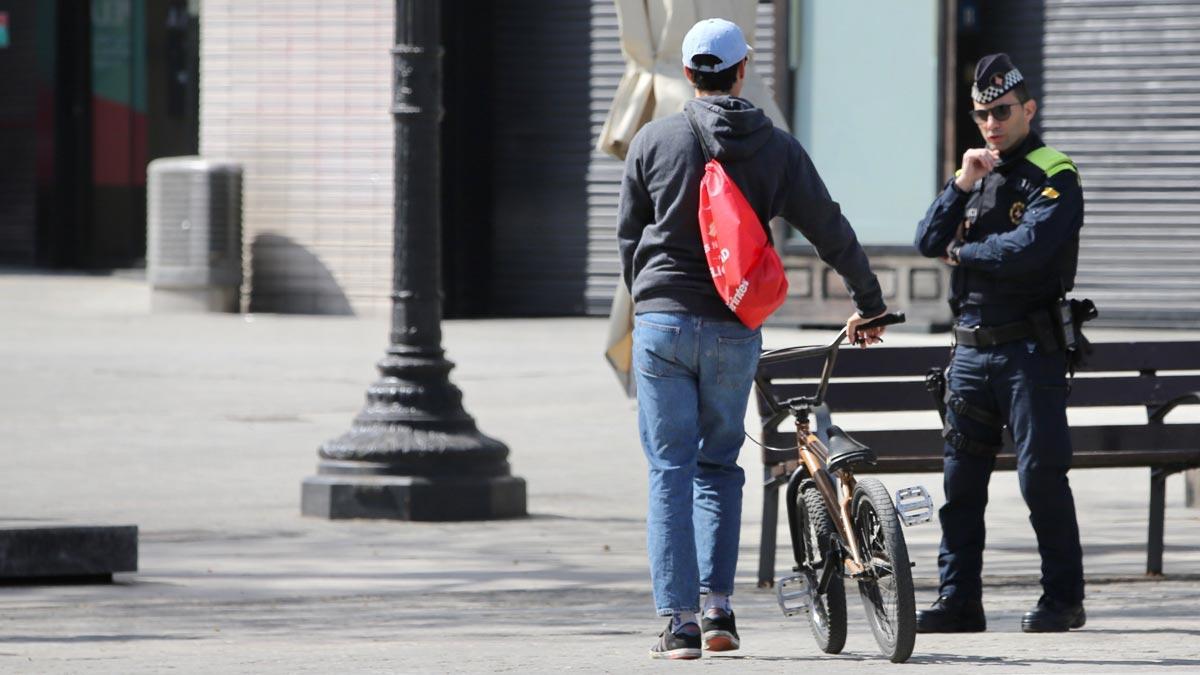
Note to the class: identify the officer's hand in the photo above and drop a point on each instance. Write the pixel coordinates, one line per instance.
(869, 336)
(951, 257)
(977, 163)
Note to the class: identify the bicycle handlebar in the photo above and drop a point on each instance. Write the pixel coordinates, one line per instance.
(785, 354)
(830, 351)
(885, 320)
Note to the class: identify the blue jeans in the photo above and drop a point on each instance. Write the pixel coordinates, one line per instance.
(693, 385)
(1027, 390)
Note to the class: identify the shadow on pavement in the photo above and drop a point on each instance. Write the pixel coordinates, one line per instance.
(964, 659)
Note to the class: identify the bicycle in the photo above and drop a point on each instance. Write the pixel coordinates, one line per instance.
(843, 527)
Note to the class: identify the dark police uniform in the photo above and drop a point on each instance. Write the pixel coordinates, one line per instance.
(1019, 228)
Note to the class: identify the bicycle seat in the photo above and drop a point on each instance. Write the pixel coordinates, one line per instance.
(845, 452)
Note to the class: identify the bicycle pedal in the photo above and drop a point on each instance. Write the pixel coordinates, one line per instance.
(795, 594)
(914, 505)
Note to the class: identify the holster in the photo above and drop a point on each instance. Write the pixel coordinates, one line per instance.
(1059, 326)
(1045, 331)
(935, 384)
(1080, 312)
(1064, 324)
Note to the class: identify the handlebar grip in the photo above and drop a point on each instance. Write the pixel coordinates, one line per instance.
(885, 320)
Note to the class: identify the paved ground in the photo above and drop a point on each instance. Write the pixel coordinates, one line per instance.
(200, 429)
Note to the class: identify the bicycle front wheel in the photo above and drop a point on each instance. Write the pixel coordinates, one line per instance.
(827, 615)
(888, 593)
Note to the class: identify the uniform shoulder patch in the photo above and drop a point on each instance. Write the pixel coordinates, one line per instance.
(1051, 161)
(1050, 193)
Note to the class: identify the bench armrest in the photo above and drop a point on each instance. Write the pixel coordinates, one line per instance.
(1160, 412)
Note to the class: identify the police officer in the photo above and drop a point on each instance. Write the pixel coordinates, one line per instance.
(1008, 225)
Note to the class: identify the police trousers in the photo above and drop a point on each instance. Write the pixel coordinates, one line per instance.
(1026, 389)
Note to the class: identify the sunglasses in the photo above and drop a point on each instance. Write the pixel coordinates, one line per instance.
(1000, 112)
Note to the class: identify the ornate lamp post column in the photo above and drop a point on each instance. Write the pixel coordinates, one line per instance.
(414, 453)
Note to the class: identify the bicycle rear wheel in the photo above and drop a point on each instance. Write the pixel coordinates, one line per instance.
(827, 615)
(887, 596)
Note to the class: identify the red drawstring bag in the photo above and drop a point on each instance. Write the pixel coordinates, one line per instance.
(745, 268)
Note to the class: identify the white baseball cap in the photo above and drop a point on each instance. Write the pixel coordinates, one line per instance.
(714, 37)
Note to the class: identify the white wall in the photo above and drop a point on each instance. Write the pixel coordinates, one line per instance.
(298, 92)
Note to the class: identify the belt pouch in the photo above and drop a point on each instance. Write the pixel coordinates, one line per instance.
(1045, 331)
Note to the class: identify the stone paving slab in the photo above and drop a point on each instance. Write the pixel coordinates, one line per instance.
(201, 429)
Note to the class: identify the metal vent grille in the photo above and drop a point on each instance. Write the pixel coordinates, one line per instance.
(194, 223)
(171, 220)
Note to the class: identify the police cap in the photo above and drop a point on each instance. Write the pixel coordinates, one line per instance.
(995, 76)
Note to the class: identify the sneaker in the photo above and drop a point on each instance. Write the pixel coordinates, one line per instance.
(719, 631)
(682, 645)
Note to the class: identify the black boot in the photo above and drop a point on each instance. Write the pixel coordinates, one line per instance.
(1052, 616)
(948, 615)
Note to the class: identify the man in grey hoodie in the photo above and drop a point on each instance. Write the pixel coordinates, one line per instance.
(694, 361)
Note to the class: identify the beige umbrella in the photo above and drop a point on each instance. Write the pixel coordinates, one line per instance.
(654, 86)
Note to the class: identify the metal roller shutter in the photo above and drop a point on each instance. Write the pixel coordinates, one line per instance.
(604, 172)
(541, 155)
(1121, 97)
(19, 136)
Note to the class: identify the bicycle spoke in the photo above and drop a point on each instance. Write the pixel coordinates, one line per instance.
(880, 589)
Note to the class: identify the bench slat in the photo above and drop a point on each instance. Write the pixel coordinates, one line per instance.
(1094, 446)
(1082, 460)
(1085, 392)
(1144, 356)
(905, 361)
(873, 362)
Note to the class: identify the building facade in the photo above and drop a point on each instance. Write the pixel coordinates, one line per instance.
(297, 91)
(92, 91)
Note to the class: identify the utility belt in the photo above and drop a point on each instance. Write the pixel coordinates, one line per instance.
(1055, 328)
(980, 336)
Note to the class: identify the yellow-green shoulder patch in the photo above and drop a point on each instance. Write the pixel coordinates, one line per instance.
(1051, 161)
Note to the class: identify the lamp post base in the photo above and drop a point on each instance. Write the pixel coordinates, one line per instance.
(432, 498)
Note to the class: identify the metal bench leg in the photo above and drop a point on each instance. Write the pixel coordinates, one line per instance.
(1158, 510)
(770, 521)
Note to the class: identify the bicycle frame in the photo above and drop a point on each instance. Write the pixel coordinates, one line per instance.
(872, 550)
(812, 455)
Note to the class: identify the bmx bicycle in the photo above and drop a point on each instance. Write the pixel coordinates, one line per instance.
(844, 527)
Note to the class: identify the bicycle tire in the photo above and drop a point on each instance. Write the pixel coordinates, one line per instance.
(888, 600)
(827, 616)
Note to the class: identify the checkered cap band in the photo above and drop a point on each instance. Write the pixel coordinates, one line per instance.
(1011, 79)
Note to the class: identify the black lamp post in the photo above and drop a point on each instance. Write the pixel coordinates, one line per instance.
(414, 453)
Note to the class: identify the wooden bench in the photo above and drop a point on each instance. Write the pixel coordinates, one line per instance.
(1143, 374)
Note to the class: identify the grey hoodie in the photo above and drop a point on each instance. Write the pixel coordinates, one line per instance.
(658, 230)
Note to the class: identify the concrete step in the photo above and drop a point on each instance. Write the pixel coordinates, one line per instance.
(45, 550)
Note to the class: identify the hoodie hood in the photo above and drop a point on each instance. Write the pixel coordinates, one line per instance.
(732, 128)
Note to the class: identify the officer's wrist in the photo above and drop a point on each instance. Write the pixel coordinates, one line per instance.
(953, 250)
(960, 189)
